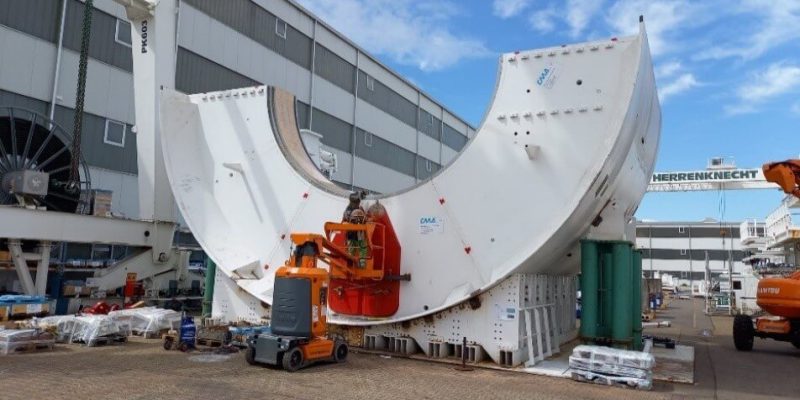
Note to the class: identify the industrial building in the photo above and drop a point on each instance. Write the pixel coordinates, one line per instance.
(386, 133)
(681, 249)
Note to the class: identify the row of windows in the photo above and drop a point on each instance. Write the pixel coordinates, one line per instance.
(327, 64)
(262, 26)
(197, 74)
(694, 254)
(688, 231)
(338, 134)
(111, 43)
(381, 96)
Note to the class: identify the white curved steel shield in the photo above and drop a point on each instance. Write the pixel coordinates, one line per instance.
(570, 138)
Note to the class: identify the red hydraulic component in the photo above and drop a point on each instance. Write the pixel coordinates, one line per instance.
(371, 297)
(100, 308)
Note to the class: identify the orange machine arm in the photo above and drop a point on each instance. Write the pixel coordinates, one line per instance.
(786, 174)
(343, 265)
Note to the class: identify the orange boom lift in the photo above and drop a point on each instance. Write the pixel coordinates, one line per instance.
(299, 331)
(777, 296)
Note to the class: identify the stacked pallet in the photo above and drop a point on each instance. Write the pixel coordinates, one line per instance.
(24, 340)
(147, 322)
(22, 306)
(91, 330)
(605, 365)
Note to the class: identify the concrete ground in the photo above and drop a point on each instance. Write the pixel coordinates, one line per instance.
(142, 370)
(721, 372)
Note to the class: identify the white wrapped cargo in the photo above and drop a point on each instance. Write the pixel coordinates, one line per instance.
(608, 355)
(88, 329)
(13, 340)
(147, 320)
(611, 366)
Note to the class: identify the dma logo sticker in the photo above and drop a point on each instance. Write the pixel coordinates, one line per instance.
(547, 77)
(430, 225)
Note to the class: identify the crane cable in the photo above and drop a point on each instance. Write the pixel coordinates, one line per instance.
(80, 94)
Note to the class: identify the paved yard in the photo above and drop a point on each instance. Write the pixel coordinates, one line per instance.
(142, 370)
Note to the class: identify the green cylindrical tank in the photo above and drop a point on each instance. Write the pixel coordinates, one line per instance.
(636, 314)
(208, 291)
(590, 294)
(606, 290)
(621, 321)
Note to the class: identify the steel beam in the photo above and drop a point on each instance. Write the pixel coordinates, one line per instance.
(42, 267)
(21, 264)
(706, 186)
(26, 224)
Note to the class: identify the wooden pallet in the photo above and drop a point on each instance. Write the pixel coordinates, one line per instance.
(150, 335)
(107, 340)
(31, 347)
(208, 342)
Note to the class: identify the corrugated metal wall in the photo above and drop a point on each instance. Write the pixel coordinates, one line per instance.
(102, 45)
(453, 139)
(335, 132)
(36, 17)
(429, 125)
(334, 68)
(425, 168)
(8, 99)
(96, 152)
(196, 74)
(380, 151)
(381, 96)
(40, 18)
(258, 24)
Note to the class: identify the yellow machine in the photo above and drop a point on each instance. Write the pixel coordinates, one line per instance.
(299, 330)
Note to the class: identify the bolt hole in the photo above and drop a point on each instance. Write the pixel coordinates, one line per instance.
(528, 91)
(526, 145)
(231, 174)
(642, 140)
(579, 82)
(425, 308)
(515, 133)
(527, 132)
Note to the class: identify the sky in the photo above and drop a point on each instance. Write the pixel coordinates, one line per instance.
(728, 72)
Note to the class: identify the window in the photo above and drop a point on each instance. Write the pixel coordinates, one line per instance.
(280, 28)
(123, 33)
(115, 133)
(370, 83)
(683, 252)
(681, 229)
(367, 139)
(737, 285)
(428, 165)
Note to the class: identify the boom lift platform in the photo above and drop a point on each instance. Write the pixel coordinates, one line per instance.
(299, 331)
(777, 296)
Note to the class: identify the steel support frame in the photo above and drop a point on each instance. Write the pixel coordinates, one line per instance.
(21, 265)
